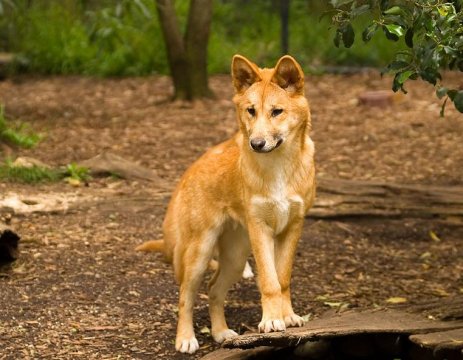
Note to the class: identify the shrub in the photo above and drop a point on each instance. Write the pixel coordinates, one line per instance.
(124, 38)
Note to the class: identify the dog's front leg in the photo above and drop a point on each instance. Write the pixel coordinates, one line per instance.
(263, 244)
(285, 249)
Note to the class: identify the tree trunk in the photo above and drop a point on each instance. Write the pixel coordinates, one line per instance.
(284, 19)
(196, 40)
(176, 56)
(187, 57)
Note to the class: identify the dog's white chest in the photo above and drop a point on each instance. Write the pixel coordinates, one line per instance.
(277, 207)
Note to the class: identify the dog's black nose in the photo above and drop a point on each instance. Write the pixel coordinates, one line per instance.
(258, 144)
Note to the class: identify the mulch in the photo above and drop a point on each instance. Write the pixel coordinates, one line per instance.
(78, 290)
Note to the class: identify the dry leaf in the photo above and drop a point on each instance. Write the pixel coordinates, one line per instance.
(396, 300)
(425, 255)
(73, 182)
(440, 292)
(205, 330)
(307, 317)
(332, 304)
(434, 237)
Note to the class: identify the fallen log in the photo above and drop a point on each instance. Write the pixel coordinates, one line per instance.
(110, 164)
(338, 198)
(356, 199)
(335, 198)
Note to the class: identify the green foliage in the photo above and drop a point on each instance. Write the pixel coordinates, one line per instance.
(38, 174)
(431, 30)
(128, 39)
(51, 39)
(34, 174)
(123, 37)
(231, 34)
(252, 28)
(19, 136)
(64, 38)
(76, 172)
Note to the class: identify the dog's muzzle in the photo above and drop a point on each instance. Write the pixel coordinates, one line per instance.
(259, 145)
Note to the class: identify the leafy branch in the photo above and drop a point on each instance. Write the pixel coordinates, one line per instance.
(431, 29)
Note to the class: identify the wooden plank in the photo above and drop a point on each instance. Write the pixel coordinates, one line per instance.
(349, 323)
(239, 354)
(451, 339)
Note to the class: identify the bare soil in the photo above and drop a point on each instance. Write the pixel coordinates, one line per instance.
(79, 291)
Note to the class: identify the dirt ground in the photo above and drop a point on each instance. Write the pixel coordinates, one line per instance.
(79, 291)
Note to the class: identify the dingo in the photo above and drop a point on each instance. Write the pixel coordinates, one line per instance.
(250, 192)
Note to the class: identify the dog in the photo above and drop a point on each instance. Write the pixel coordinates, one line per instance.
(248, 194)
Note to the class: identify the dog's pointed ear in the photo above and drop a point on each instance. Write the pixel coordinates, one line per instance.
(244, 73)
(288, 75)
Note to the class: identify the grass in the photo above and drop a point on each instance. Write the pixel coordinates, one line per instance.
(34, 174)
(72, 173)
(124, 38)
(19, 135)
(76, 172)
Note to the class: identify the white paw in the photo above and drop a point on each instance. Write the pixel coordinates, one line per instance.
(294, 320)
(247, 272)
(271, 325)
(223, 335)
(187, 345)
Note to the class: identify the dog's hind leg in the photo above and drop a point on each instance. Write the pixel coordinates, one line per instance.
(234, 249)
(190, 262)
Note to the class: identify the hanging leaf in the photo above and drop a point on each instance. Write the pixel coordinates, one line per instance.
(458, 101)
(409, 38)
(404, 76)
(430, 75)
(395, 10)
(369, 31)
(348, 35)
(389, 35)
(441, 92)
(395, 29)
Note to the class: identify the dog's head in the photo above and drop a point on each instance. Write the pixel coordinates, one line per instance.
(270, 103)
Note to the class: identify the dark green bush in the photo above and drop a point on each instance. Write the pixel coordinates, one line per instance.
(123, 37)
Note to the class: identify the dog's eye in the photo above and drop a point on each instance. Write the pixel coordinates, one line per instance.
(276, 112)
(251, 111)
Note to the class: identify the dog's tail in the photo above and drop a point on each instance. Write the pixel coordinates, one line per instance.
(152, 246)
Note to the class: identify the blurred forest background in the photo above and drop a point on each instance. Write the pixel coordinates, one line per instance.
(124, 38)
